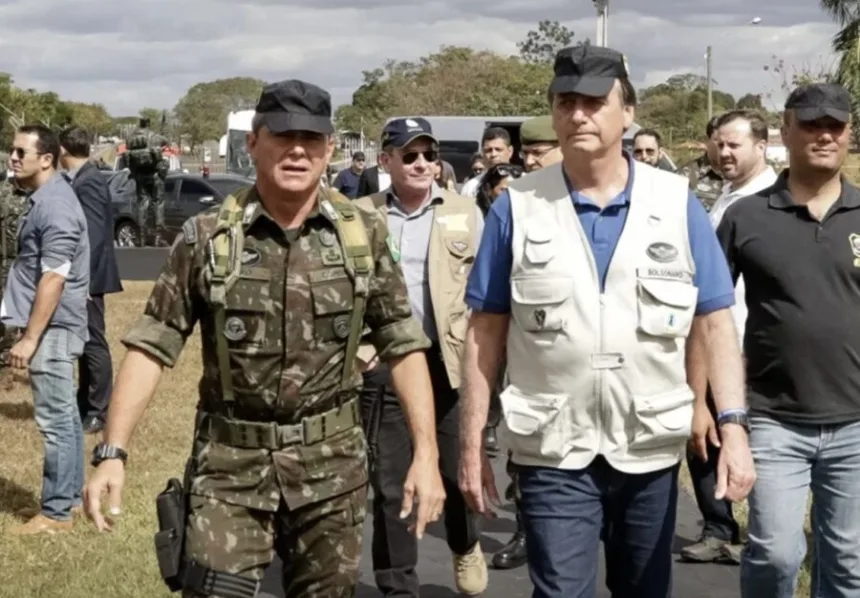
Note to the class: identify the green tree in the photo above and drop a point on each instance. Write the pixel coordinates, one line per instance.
(750, 101)
(201, 114)
(542, 44)
(455, 81)
(94, 118)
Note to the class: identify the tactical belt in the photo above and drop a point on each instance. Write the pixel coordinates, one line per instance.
(207, 582)
(271, 436)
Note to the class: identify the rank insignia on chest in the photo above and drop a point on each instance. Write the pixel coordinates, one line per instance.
(540, 317)
(234, 329)
(393, 249)
(332, 256)
(340, 326)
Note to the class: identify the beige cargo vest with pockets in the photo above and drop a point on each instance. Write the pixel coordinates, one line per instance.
(599, 374)
(450, 257)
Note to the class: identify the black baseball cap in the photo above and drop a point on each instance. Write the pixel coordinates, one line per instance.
(295, 105)
(819, 100)
(400, 132)
(588, 70)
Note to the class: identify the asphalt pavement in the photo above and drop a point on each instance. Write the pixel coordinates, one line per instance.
(435, 568)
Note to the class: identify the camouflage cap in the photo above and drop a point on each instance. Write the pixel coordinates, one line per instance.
(538, 130)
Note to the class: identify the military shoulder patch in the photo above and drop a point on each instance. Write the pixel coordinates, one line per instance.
(393, 249)
(189, 231)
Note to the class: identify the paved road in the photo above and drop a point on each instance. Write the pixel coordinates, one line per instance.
(436, 573)
(435, 569)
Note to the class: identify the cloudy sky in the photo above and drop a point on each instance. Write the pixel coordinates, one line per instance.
(129, 54)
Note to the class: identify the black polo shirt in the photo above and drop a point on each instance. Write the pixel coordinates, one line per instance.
(802, 277)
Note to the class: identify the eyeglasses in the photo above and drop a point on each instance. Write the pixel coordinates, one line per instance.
(429, 155)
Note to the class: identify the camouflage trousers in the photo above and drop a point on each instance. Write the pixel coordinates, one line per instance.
(150, 216)
(320, 544)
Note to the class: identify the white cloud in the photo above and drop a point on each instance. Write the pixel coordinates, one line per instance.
(148, 53)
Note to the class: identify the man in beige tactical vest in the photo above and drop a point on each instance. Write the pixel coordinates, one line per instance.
(283, 279)
(434, 236)
(540, 150)
(590, 276)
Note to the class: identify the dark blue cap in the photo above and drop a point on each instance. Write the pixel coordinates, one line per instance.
(588, 70)
(400, 132)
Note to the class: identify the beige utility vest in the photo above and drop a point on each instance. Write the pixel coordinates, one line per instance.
(451, 253)
(596, 373)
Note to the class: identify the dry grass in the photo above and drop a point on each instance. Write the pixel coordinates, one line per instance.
(83, 563)
(121, 564)
(851, 168)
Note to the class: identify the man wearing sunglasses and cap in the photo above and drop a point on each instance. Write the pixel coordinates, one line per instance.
(797, 246)
(283, 277)
(590, 276)
(434, 237)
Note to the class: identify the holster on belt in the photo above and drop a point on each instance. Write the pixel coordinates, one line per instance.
(172, 508)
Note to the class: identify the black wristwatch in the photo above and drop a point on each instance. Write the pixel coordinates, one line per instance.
(103, 452)
(734, 417)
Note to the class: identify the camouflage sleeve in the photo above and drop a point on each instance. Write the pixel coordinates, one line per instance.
(392, 329)
(170, 314)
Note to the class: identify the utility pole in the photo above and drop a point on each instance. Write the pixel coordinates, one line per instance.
(710, 84)
(602, 7)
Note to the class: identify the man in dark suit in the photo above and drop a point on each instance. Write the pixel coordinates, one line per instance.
(373, 180)
(91, 187)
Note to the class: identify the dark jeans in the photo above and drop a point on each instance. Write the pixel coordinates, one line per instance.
(95, 367)
(719, 520)
(565, 512)
(394, 548)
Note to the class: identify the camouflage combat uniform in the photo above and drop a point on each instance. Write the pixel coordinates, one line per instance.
(13, 205)
(704, 181)
(286, 323)
(149, 187)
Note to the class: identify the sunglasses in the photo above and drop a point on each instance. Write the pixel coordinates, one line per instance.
(20, 152)
(510, 170)
(429, 155)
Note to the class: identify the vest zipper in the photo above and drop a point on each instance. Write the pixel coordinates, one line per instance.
(599, 393)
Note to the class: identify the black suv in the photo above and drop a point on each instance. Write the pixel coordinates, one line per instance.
(185, 195)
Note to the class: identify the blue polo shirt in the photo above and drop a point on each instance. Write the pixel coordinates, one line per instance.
(489, 286)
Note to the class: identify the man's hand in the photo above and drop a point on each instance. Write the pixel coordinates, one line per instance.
(22, 353)
(108, 478)
(475, 478)
(735, 469)
(704, 431)
(424, 484)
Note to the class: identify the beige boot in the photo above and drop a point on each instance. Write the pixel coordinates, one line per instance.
(470, 571)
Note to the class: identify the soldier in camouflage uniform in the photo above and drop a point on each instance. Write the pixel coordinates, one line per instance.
(703, 173)
(148, 169)
(283, 279)
(13, 205)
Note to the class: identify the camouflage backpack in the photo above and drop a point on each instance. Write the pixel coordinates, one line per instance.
(225, 248)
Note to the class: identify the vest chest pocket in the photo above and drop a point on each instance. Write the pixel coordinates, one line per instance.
(538, 424)
(247, 309)
(461, 255)
(666, 306)
(537, 305)
(540, 247)
(333, 301)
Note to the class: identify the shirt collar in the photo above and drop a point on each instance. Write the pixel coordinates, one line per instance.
(622, 198)
(780, 196)
(254, 210)
(762, 180)
(436, 196)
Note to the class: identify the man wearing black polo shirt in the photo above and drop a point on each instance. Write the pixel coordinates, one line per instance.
(797, 246)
